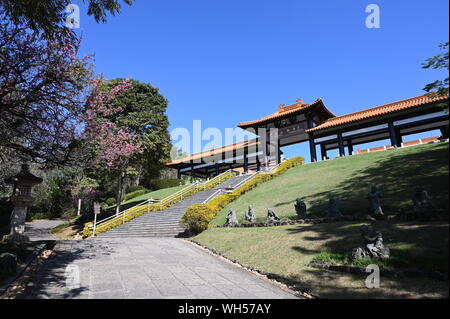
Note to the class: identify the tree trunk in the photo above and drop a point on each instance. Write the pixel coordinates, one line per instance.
(119, 192)
(79, 207)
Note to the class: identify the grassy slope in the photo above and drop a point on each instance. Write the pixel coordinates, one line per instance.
(287, 250)
(349, 179)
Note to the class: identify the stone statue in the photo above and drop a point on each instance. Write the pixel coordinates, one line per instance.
(332, 210)
(231, 218)
(374, 198)
(250, 216)
(271, 216)
(421, 201)
(300, 208)
(373, 245)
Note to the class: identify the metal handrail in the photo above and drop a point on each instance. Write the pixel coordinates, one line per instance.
(219, 191)
(246, 180)
(140, 204)
(167, 200)
(212, 196)
(218, 179)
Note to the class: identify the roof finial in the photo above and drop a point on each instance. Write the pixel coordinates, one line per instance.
(300, 102)
(280, 107)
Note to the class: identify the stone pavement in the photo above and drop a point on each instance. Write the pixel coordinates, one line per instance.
(152, 268)
(40, 230)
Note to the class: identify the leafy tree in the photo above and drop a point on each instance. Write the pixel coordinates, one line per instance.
(48, 16)
(440, 61)
(112, 146)
(170, 173)
(143, 115)
(42, 90)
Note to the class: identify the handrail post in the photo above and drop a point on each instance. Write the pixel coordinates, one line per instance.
(95, 223)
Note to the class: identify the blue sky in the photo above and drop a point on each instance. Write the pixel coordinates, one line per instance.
(224, 62)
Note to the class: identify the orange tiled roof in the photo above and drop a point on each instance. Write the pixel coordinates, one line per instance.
(213, 152)
(377, 111)
(287, 110)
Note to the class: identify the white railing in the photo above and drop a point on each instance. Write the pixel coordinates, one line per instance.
(220, 191)
(152, 205)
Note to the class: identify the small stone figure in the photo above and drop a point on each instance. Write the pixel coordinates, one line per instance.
(373, 245)
(272, 216)
(421, 201)
(231, 219)
(300, 208)
(374, 198)
(250, 216)
(332, 210)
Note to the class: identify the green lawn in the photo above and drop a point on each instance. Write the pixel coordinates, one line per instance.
(287, 251)
(349, 179)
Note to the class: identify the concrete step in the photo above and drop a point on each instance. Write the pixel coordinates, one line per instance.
(165, 223)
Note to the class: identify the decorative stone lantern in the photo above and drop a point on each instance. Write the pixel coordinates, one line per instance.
(23, 183)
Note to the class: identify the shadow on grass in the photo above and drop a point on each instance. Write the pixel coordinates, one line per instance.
(397, 175)
(417, 245)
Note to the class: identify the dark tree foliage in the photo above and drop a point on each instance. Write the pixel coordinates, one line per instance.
(48, 16)
(144, 115)
(42, 91)
(440, 61)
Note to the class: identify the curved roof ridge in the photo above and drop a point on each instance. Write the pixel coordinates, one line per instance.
(378, 110)
(287, 112)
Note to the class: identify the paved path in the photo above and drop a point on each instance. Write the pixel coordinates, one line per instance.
(40, 230)
(146, 268)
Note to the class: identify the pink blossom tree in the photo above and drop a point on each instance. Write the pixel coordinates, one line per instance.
(112, 147)
(43, 86)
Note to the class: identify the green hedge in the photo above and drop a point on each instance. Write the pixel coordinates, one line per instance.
(197, 217)
(110, 201)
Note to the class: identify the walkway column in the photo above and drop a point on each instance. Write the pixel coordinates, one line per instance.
(323, 151)
(350, 147)
(312, 149)
(312, 145)
(245, 159)
(278, 148)
(178, 173)
(393, 135)
(217, 169)
(341, 145)
(192, 173)
(444, 132)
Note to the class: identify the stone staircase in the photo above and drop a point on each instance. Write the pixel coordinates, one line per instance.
(165, 223)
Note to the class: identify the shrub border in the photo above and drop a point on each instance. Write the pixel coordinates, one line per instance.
(221, 201)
